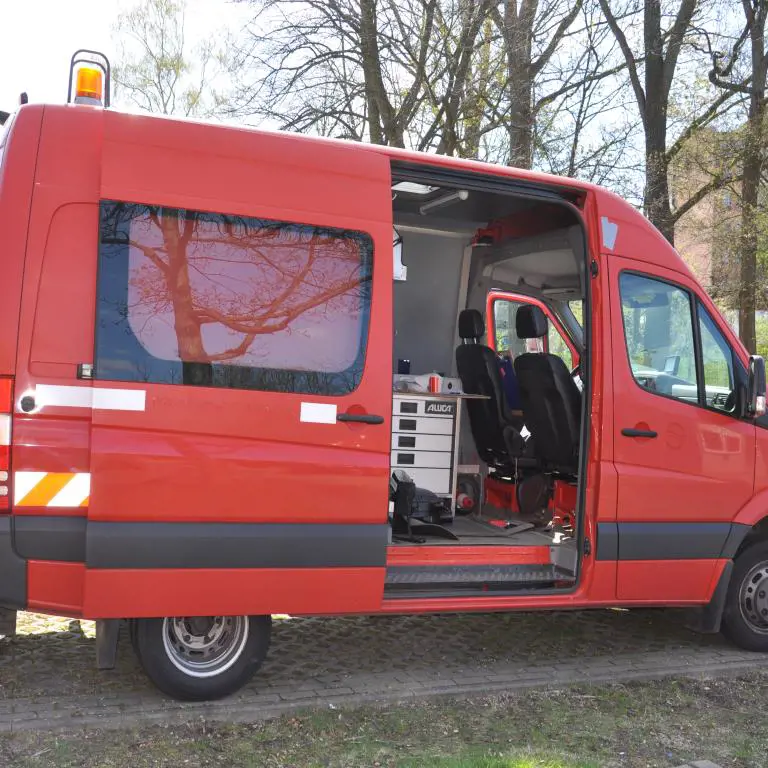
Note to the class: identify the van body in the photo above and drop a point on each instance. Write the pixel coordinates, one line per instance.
(200, 328)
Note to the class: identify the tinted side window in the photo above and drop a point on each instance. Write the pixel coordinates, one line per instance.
(658, 326)
(186, 297)
(719, 386)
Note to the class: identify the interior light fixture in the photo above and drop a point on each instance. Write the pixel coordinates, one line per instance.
(412, 188)
(451, 197)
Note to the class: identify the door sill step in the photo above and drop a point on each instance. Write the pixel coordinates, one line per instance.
(403, 578)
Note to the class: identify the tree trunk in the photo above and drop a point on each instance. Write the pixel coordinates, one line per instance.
(750, 186)
(748, 241)
(518, 31)
(381, 117)
(189, 336)
(656, 199)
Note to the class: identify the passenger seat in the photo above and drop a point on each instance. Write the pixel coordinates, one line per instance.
(550, 398)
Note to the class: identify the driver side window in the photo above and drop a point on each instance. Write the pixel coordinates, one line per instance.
(658, 327)
(719, 385)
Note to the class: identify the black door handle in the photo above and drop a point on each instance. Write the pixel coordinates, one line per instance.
(361, 418)
(631, 432)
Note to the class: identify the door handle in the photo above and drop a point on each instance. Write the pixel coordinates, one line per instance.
(360, 418)
(632, 432)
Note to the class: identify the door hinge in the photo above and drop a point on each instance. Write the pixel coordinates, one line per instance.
(593, 268)
(587, 547)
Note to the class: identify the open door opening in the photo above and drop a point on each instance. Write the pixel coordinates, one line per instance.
(489, 376)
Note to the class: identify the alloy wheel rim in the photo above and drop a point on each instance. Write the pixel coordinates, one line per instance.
(204, 646)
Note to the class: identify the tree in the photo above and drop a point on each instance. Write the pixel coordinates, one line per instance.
(521, 26)
(386, 71)
(652, 72)
(468, 78)
(724, 74)
(157, 70)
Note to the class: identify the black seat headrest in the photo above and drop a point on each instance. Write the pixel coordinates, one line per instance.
(530, 322)
(471, 325)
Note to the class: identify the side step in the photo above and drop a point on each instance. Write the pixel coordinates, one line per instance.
(406, 578)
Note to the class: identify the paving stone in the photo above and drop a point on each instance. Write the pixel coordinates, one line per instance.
(48, 677)
(700, 764)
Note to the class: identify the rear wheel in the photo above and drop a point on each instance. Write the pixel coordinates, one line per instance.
(745, 618)
(201, 657)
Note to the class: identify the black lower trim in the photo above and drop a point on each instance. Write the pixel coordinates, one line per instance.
(50, 538)
(198, 545)
(13, 570)
(235, 545)
(668, 541)
(607, 541)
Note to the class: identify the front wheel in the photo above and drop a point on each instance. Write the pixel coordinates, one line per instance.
(745, 617)
(197, 658)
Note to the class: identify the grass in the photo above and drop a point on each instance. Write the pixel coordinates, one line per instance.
(653, 725)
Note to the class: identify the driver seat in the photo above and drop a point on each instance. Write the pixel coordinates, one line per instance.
(495, 429)
(550, 398)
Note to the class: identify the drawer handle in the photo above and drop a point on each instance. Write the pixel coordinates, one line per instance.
(409, 408)
(406, 441)
(406, 458)
(408, 424)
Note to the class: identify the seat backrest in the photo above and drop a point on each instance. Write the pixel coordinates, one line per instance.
(550, 398)
(480, 374)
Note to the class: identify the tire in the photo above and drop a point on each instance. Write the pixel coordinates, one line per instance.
(201, 658)
(745, 616)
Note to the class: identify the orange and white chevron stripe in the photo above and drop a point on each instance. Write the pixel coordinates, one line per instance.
(51, 489)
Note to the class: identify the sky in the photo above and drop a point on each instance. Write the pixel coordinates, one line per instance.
(40, 36)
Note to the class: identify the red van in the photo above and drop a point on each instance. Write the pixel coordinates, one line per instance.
(228, 391)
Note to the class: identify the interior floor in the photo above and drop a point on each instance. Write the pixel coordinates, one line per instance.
(477, 531)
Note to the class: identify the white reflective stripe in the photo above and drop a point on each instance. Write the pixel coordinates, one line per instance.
(119, 399)
(318, 413)
(5, 428)
(90, 397)
(70, 397)
(74, 493)
(24, 482)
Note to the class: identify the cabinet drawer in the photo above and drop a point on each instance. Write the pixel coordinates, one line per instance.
(435, 480)
(423, 425)
(427, 459)
(417, 442)
(444, 408)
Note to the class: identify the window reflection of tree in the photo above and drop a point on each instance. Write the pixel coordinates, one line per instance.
(250, 277)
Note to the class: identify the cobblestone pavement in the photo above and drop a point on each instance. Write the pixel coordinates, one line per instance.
(48, 677)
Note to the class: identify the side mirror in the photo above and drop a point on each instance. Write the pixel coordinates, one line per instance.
(756, 387)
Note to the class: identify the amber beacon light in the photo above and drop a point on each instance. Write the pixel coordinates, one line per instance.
(89, 79)
(89, 84)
